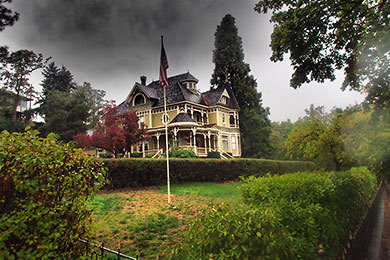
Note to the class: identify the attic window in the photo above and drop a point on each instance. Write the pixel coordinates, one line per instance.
(139, 99)
(224, 100)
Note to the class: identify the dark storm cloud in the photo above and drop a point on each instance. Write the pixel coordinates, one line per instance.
(100, 24)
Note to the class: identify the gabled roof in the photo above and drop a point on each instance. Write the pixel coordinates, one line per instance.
(177, 92)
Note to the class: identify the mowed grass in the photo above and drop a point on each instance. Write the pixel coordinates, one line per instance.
(140, 219)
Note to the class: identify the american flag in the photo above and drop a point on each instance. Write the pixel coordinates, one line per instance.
(163, 66)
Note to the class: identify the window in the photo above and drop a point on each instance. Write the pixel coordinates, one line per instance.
(231, 120)
(224, 100)
(234, 145)
(139, 99)
(225, 142)
(141, 122)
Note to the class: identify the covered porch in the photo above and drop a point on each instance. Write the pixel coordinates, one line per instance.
(199, 140)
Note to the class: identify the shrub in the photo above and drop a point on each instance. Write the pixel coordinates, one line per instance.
(214, 155)
(43, 195)
(146, 172)
(239, 232)
(106, 155)
(136, 155)
(291, 215)
(183, 154)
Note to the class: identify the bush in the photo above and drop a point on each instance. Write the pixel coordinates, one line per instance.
(43, 195)
(214, 155)
(284, 217)
(136, 155)
(146, 172)
(183, 154)
(106, 155)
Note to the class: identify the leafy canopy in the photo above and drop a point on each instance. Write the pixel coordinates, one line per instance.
(327, 35)
(115, 133)
(15, 68)
(7, 17)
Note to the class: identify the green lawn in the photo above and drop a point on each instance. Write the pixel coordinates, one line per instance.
(141, 219)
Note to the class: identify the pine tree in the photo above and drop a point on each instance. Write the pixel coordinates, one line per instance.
(230, 68)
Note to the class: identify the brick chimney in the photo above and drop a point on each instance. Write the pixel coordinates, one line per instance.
(143, 80)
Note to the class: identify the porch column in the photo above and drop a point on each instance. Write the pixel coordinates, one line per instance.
(209, 136)
(204, 140)
(158, 140)
(175, 133)
(194, 135)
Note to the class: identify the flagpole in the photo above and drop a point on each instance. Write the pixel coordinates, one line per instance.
(166, 120)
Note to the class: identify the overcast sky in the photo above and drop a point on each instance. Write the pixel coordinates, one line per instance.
(112, 43)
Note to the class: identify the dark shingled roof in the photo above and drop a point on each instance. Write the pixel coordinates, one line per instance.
(122, 107)
(177, 92)
(182, 117)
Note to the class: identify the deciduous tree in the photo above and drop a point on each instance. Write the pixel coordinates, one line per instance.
(324, 36)
(319, 136)
(7, 17)
(230, 68)
(116, 132)
(15, 68)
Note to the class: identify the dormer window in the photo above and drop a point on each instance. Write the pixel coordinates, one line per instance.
(224, 100)
(139, 99)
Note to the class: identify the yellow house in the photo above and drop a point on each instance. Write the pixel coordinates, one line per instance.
(201, 122)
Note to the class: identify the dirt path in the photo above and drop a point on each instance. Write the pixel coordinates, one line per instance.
(385, 245)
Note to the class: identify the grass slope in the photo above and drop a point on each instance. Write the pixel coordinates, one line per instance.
(141, 219)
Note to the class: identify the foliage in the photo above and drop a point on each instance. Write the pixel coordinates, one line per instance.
(367, 138)
(146, 172)
(106, 155)
(68, 109)
(6, 112)
(279, 134)
(319, 137)
(323, 36)
(7, 18)
(43, 195)
(116, 132)
(230, 69)
(65, 113)
(15, 69)
(214, 155)
(283, 217)
(56, 79)
(136, 155)
(183, 154)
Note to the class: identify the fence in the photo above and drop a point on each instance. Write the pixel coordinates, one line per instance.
(359, 246)
(96, 251)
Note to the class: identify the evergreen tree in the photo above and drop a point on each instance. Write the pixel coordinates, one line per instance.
(231, 69)
(56, 79)
(68, 109)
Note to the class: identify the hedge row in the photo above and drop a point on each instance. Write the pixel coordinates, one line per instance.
(144, 172)
(283, 217)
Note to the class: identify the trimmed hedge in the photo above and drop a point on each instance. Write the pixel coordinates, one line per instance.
(146, 172)
(283, 217)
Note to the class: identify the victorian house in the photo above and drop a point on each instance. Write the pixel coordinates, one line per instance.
(201, 122)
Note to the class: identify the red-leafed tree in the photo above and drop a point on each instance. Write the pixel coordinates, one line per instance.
(116, 132)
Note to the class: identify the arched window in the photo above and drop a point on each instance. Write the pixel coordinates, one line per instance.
(231, 120)
(139, 99)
